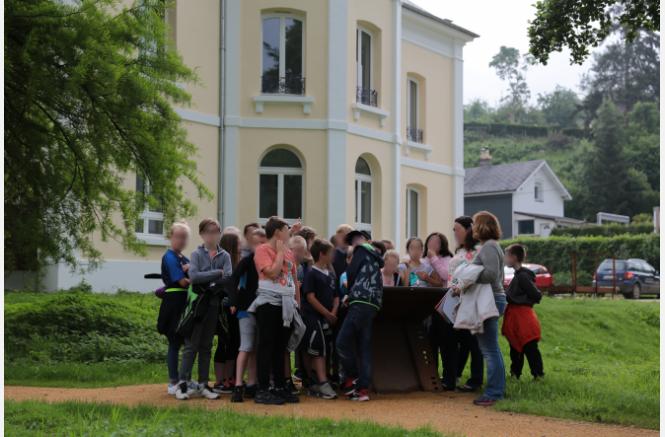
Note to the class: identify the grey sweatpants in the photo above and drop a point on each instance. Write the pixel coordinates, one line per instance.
(200, 343)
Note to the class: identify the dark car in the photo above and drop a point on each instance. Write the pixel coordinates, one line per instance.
(634, 277)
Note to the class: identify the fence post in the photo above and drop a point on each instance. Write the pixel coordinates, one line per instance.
(595, 289)
(574, 271)
(614, 276)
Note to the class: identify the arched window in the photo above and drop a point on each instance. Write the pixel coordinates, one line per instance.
(363, 191)
(280, 185)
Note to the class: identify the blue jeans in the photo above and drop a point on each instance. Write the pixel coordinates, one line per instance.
(355, 338)
(488, 342)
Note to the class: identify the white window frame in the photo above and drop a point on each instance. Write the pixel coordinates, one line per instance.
(410, 190)
(409, 109)
(282, 42)
(359, 179)
(146, 216)
(359, 72)
(538, 194)
(281, 172)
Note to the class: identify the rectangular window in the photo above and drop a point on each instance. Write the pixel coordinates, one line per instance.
(268, 197)
(292, 196)
(412, 212)
(538, 192)
(525, 227)
(151, 221)
(364, 92)
(282, 57)
(413, 104)
(363, 190)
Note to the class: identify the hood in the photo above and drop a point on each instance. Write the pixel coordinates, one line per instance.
(370, 251)
(525, 271)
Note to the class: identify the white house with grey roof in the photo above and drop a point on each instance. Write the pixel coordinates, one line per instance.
(527, 197)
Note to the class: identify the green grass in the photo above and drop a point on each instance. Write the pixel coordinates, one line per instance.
(42, 419)
(601, 356)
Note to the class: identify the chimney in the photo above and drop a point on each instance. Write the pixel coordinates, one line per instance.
(485, 157)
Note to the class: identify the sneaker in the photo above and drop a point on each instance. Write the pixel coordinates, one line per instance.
(324, 391)
(224, 388)
(291, 387)
(288, 396)
(250, 391)
(267, 397)
(182, 392)
(360, 395)
(207, 392)
(171, 389)
(236, 396)
(349, 386)
(484, 401)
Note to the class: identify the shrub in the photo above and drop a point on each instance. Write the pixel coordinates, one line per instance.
(604, 230)
(83, 327)
(556, 252)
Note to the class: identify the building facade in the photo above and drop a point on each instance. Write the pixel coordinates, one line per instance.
(328, 111)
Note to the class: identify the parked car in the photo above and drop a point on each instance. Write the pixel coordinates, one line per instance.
(543, 276)
(634, 277)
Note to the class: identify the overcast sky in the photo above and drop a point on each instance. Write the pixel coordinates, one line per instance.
(500, 23)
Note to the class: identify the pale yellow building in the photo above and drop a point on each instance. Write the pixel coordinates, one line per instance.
(332, 111)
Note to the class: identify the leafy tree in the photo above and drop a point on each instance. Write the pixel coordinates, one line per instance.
(560, 107)
(584, 24)
(478, 111)
(625, 72)
(88, 93)
(643, 141)
(510, 67)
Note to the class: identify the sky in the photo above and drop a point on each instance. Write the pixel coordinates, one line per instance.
(502, 22)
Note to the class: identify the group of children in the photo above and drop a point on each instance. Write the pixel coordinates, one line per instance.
(277, 290)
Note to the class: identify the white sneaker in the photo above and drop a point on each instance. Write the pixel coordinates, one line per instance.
(326, 391)
(171, 389)
(182, 392)
(206, 392)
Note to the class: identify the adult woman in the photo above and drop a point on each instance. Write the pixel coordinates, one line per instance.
(487, 230)
(456, 345)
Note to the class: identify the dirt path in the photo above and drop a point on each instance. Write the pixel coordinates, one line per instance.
(443, 412)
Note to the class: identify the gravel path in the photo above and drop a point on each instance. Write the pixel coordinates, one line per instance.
(444, 412)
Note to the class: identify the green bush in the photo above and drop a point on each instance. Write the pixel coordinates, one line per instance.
(83, 327)
(604, 230)
(555, 252)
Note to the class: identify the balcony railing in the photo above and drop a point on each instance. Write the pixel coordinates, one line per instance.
(367, 96)
(414, 134)
(289, 84)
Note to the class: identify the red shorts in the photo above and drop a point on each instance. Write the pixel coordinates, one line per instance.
(520, 326)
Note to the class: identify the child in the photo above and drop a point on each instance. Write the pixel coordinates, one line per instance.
(174, 274)
(390, 271)
(210, 267)
(320, 305)
(415, 272)
(247, 233)
(343, 280)
(275, 308)
(228, 331)
(364, 300)
(300, 248)
(520, 323)
(242, 293)
(339, 259)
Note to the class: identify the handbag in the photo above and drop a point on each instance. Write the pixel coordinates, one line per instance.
(447, 307)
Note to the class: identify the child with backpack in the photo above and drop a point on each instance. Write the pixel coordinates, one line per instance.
(364, 301)
(210, 268)
(520, 323)
(174, 297)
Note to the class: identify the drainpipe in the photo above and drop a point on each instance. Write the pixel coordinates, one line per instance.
(222, 102)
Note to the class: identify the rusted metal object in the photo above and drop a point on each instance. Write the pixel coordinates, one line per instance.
(401, 351)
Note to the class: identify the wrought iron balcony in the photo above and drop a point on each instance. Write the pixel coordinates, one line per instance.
(367, 96)
(289, 84)
(414, 134)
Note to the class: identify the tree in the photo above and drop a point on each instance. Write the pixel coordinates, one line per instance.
(625, 72)
(584, 24)
(510, 67)
(478, 111)
(560, 107)
(611, 183)
(88, 93)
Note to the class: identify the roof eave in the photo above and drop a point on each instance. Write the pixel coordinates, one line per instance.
(455, 30)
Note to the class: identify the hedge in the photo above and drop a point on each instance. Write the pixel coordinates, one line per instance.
(525, 130)
(555, 252)
(604, 230)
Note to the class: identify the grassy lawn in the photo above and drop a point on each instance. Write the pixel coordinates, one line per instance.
(601, 356)
(42, 419)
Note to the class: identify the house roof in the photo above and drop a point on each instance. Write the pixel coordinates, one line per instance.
(552, 217)
(502, 178)
(407, 4)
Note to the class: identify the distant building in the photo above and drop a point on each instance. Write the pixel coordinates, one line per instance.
(527, 197)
